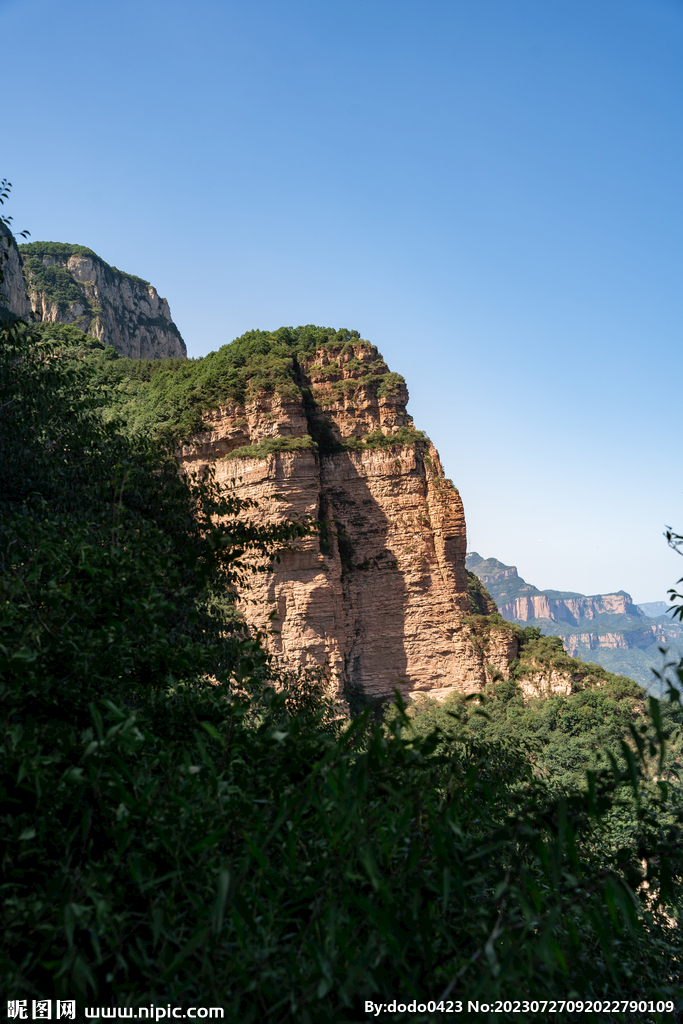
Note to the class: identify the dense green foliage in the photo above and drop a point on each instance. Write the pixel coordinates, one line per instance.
(59, 250)
(169, 396)
(566, 734)
(481, 602)
(179, 825)
(274, 867)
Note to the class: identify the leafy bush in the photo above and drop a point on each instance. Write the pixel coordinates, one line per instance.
(403, 437)
(272, 446)
(390, 384)
(242, 856)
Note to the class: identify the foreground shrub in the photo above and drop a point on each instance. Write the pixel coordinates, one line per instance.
(283, 868)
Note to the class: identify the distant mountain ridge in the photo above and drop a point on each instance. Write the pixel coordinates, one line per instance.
(653, 609)
(606, 628)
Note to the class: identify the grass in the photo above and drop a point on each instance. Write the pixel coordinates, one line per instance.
(273, 446)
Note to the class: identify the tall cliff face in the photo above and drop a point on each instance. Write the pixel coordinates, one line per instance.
(70, 284)
(381, 600)
(16, 302)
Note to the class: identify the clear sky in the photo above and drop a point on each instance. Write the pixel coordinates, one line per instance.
(488, 190)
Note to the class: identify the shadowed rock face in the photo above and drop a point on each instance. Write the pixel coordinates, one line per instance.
(13, 289)
(381, 601)
(70, 284)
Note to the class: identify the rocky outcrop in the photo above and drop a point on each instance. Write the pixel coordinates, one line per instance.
(545, 681)
(15, 301)
(70, 284)
(379, 599)
(508, 572)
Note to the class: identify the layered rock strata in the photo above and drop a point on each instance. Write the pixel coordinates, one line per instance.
(379, 598)
(579, 643)
(70, 284)
(572, 610)
(15, 301)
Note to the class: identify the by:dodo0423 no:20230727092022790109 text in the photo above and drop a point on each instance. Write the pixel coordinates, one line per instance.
(549, 1006)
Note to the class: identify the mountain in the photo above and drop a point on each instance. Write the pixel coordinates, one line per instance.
(605, 628)
(382, 599)
(311, 423)
(70, 284)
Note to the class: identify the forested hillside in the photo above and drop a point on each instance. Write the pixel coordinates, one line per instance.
(183, 824)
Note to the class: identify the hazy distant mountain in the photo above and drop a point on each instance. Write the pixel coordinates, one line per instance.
(605, 628)
(653, 609)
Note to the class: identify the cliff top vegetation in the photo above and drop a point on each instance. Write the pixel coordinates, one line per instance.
(169, 397)
(32, 254)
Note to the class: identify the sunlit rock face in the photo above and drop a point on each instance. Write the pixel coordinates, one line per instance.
(70, 284)
(379, 601)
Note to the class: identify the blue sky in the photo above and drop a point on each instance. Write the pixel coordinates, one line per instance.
(488, 190)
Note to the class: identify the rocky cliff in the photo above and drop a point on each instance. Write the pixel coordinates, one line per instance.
(70, 284)
(380, 597)
(572, 610)
(655, 609)
(13, 290)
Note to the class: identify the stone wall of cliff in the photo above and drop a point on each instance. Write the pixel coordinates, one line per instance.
(70, 284)
(13, 290)
(379, 599)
